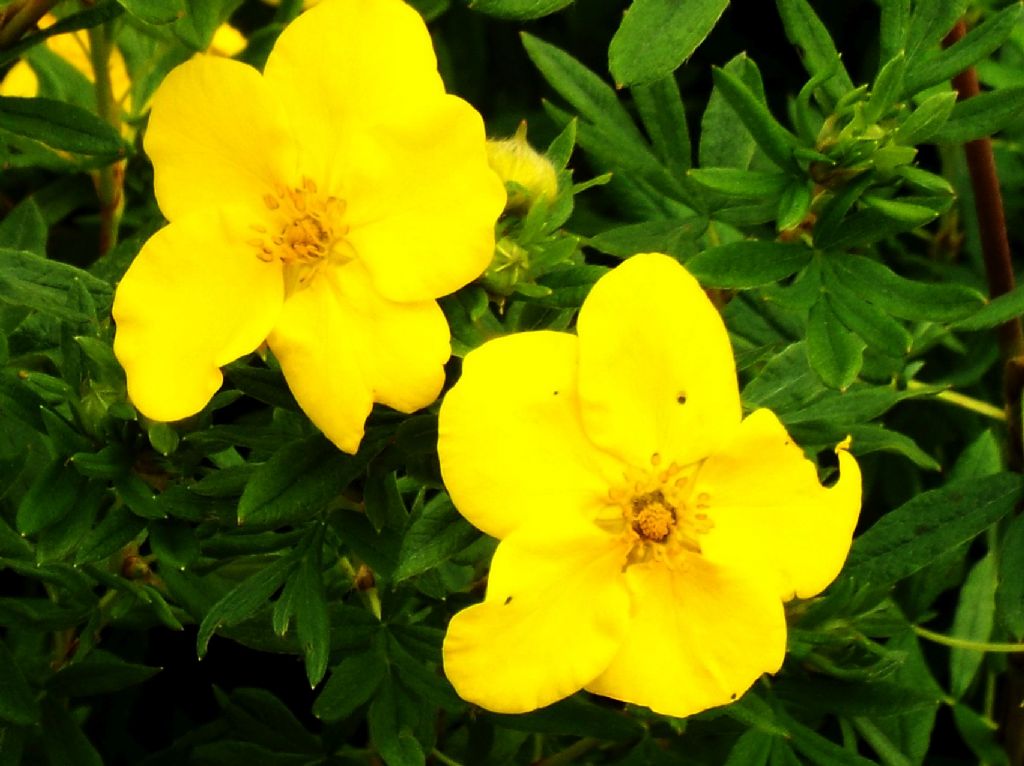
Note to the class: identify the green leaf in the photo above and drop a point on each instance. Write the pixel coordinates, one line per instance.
(981, 116)
(299, 481)
(805, 30)
(594, 99)
(65, 743)
(931, 21)
(981, 41)
(748, 263)
(575, 716)
(775, 141)
(905, 298)
(886, 90)
(751, 749)
(314, 629)
(894, 24)
(522, 10)
(119, 528)
(18, 704)
(874, 326)
(794, 205)
(672, 236)
(834, 352)
(656, 36)
(174, 543)
(926, 120)
(90, 17)
(434, 535)
(60, 126)
(931, 523)
(722, 142)
(664, 117)
(819, 750)
(1010, 594)
(1002, 309)
(245, 598)
(980, 735)
(34, 282)
(393, 740)
(24, 228)
(352, 682)
(154, 11)
(50, 498)
(743, 184)
(99, 673)
(871, 437)
(876, 698)
(201, 18)
(974, 619)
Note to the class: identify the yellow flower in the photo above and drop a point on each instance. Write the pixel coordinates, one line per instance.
(649, 535)
(529, 174)
(322, 207)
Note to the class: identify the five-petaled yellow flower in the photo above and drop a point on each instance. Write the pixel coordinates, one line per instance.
(321, 207)
(649, 534)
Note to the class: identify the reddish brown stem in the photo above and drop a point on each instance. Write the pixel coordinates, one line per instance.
(21, 16)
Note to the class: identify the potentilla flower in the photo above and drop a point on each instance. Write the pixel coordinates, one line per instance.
(321, 207)
(649, 534)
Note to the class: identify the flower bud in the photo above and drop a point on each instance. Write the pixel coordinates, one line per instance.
(528, 174)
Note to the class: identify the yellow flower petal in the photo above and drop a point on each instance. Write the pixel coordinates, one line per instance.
(699, 636)
(656, 368)
(20, 81)
(343, 346)
(359, 79)
(554, 616)
(423, 201)
(770, 512)
(194, 299)
(217, 136)
(511, 444)
(350, 63)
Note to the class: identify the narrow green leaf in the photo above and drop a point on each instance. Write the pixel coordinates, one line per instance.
(834, 352)
(119, 528)
(821, 751)
(674, 236)
(856, 698)
(723, 143)
(981, 116)
(1002, 309)
(60, 126)
(794, 205)
(389, 733)
(886, 90)
(775, 141)
(805, 30)
(975, 45)
(593, 98)
(870, 437)
(905, 298)
(65, 743)
(1010, 595)
(656, 36)
(929, 22)
(520, 10)
(31, 281)
(575, 716)
(434, 535)
(748, 263)
(314, 627)
(24, 228)
(915, 534)
(894, 25)
(876, 328)
(154, 11)
(974, 619)
(99, 673)
(664, 117)
(745, 184)
(751, 749)
(244, 599)
(979, 733)
(50, 498)
(352, 682)
(926, 120)
(18, 704)
(299, 481)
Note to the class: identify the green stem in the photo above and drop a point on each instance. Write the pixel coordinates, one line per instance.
(570, 753)
(963, 401)
(438, 755)
(110, 178)
(887, 752)
(964, 643)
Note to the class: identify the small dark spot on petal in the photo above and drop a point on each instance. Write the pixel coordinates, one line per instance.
(556, 393)
(681, 397)
(732, 696)
(508, 600)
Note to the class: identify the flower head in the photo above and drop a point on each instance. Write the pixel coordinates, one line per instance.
(321, 206)
(649, 534)
(529, 175)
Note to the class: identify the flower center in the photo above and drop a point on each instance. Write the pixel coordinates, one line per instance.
(657, 509)
(303, 229)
